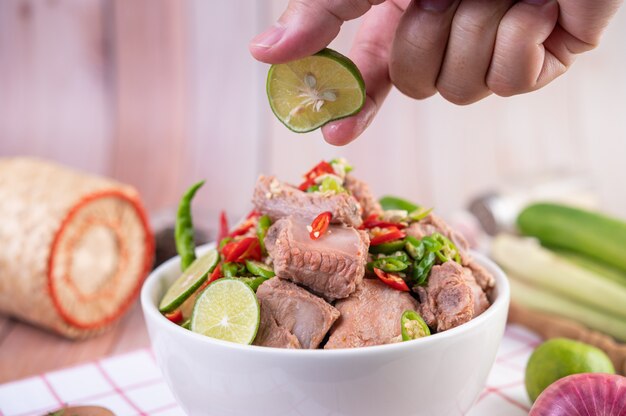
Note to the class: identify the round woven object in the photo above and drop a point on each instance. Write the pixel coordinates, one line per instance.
(74, 248)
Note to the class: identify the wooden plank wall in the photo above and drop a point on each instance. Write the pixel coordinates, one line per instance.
(55, 81)
(150, 97)
(226, 142)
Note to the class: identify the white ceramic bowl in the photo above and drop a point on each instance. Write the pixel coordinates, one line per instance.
(438, 375)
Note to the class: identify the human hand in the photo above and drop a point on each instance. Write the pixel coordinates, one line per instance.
(463, 49)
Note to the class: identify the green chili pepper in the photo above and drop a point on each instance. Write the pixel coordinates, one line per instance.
(413, 326)
(183, 232)
(432, 244)
(261, 231)
(392, 202)
(422, 268)
(254, 282)
(233, 269)
(419, 214)
(415, 247)
(399, 255)
(387, 248)
(259, 269)
(448, 251)
(313, 188)
(186, 324)
(389, 264)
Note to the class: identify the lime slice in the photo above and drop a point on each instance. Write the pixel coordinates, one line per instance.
(189, 281)
(228, 310)
(308, 93)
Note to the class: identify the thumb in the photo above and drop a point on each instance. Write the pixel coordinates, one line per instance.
(306, 27)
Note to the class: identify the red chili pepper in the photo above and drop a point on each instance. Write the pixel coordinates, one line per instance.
(320, 225)
(254, 213)
(392, 280)
(371, 217)
(176, 316)
(319, 169)
(244, 227)
(239, 251)
(223, 230)
(228, 247)
(372, 222)
(217, 273)
(393, 234)
(306, 185)
(253, 252)
(368, 224)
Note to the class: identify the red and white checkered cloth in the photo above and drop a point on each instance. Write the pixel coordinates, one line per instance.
(131, 384)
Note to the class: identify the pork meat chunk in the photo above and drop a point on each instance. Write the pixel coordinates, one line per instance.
(278, 200)
(291, 317)
(451, 298)
(361, 191)
(370, 316)
(331, 266)
(484, 279)
(271, 334)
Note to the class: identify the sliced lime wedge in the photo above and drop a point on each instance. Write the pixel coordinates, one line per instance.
(308, 93)
(228, 310)
(189, 281)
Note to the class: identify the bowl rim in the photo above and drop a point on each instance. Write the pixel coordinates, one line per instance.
(151, 312)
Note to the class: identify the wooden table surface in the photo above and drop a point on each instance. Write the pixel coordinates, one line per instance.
(26, 350)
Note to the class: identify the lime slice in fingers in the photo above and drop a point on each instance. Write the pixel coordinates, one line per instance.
(308, 93)
(228, 310)
(191, 279)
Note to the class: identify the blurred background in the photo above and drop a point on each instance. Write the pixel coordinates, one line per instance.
(160, 93)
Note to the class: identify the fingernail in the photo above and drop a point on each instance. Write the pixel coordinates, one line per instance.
(269, 38)
(437, 6)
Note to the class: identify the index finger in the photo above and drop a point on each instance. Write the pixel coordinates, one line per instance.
(306, 27)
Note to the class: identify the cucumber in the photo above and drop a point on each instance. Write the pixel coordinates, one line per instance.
(585, 232)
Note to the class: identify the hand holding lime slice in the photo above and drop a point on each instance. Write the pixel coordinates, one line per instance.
(307, 93)
(189, 281)
(228, 310)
